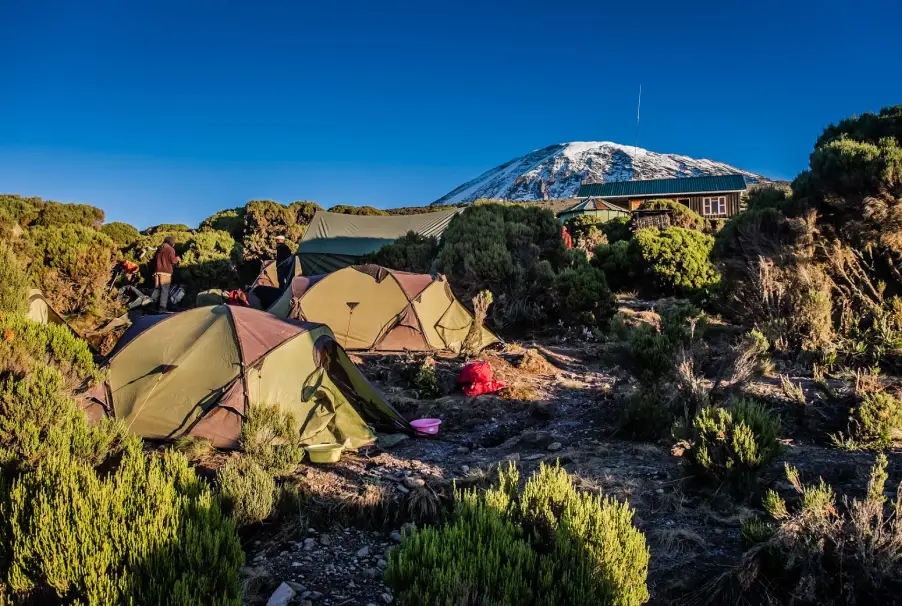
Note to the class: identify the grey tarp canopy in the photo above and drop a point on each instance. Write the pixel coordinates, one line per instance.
(333, 241)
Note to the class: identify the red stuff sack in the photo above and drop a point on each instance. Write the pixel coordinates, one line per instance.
(475, 372)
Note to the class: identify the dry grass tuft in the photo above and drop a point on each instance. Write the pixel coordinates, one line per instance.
(535, 363)
(195, 449)
(522, 391)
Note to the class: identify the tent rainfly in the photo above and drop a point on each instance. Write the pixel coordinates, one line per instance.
(369, 307)
(39, 310)
(269, 272)
(200, 372)
(334, 240)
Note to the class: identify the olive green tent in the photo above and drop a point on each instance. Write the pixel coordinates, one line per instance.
(373, 308)
(269, 271)
(200, 372)
(334, 240)
(39, 310)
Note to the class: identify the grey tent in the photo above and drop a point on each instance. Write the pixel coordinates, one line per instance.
(333, 241)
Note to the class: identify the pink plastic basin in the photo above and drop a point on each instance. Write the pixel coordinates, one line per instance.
(426, 426)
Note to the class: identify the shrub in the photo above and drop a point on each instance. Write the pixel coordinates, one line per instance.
(514, 251)
(231, 221)
(580, 225)
(411, 252)
(619, 263)
(681, 215)
(547, 545)
(193, 448)
(652, 350)
(22, 210)
(265, 219)
(165, 227)
(123, 234)
(57, 214)
(584, 296)
(676, 259)
(646, 415)
(346, 209)
(730, 445)
(13, 283)
(821, 551)
(71, 264)
(875, 421)
(248, 490)
(272, 438)
(25, 343)
(617, 229)
(149, 532)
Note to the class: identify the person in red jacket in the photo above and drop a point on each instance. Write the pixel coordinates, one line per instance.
(163, 261)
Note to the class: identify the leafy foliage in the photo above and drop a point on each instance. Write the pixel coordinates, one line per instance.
(411, 252)
(346, 209)
(20, 209)
(617, 229)
(676, 259)
(71, 264)
(265, 219)
(619, 263)
(248, 490)
(682, 215)
(584, 296)
(13, 283)
(164, 228)
(230, 220)
(506, 547)
(730, 445)
(122, 234)
(57, 214)
(272, 438)
(819, 552)
(875, 421)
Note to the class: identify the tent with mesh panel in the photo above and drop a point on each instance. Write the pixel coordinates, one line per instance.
(369, 307)
(202, 371)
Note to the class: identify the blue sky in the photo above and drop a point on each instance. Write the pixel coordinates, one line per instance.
(168, 111)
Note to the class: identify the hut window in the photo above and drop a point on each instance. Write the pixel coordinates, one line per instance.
(684, 201)
(715, 206)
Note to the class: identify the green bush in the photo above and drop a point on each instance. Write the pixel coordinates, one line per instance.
(230, 220)
(823, 550)
(13, 283)
(652, 349)
(20, 209)
(265, 219)
(248, 490)
(71, 264)
(682, 215)
(582, 224)
(514, 251)
(57, 214)
(346, 209)
(646, 416)
(25, 343)
(875, 421)
(149, 532)
(619, 263)
(411, 252)
(617, 229)
(272, 438)
(584, 297)
(165, 227)
(676, 259)
(547, 545)
(123, 234)
(730, 445)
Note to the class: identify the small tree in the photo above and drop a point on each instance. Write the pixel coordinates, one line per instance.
(13, 282)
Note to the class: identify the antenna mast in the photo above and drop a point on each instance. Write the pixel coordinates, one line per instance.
(638, 108)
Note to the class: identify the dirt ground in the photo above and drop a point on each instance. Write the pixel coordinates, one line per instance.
(356, 510)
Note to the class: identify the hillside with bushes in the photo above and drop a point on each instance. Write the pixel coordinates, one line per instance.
(694, 412)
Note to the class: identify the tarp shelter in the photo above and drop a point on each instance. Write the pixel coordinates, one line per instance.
(41, 311)
(200, 373)
(333, 241)
(373, 308)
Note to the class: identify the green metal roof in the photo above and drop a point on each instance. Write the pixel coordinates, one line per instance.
(663, 187)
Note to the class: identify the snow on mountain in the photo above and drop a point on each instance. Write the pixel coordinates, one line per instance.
(557, 171)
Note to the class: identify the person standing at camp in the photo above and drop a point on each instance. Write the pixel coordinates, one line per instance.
(283, 253)
(163, 261)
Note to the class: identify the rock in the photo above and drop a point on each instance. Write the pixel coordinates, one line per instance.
(325, 540)
(536, 438)
(363, 552)
(554, 447)
(306, 603)
(463, 450)
(315, 596)
(381, 564)
(370, 573)
(660, 491)
(281, 596)
(298, 588)
(534, 457)
(403, 489)
(408, 527)
(465, 468)
(396, 536)
(309, 544)
(413, 482)
(386, 598)
(296, 564)
(514, 456)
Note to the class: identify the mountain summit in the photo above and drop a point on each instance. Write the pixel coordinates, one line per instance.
(557, 171)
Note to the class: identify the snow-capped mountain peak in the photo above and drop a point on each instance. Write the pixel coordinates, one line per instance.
(557, 171)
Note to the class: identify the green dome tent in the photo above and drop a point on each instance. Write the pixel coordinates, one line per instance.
(200, 372)
(369, 307)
